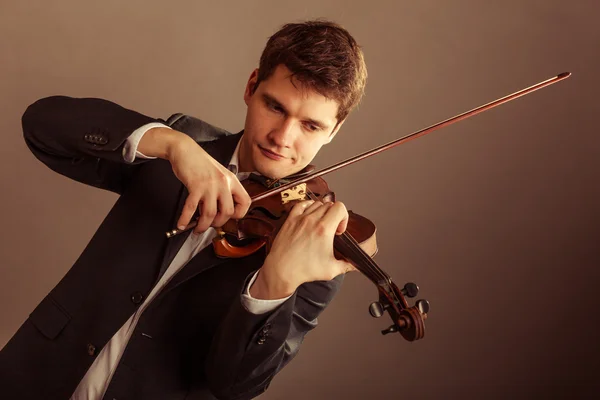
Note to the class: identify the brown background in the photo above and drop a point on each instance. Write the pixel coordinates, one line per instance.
(496, 218)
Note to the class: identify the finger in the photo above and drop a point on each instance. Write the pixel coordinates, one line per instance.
(241, 199)
(312, 208)
(299, 208)
(317, 209)
(189, 208)
(341, 228)
(328, 198)
(224, 210)
(336, 216)
(208, 210)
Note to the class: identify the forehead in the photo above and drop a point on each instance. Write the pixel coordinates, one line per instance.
(298, 98)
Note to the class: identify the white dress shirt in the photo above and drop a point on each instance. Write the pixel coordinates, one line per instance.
(96, 380)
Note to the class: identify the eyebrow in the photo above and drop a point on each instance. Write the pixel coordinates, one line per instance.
(270, 99)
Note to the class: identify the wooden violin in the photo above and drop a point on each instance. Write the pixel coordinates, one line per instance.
(357, 245)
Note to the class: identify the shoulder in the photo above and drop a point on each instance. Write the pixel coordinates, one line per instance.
(196, 128)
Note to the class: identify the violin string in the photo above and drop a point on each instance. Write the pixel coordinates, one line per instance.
(360, 253)
(373, 271)
(360, 262)
(374, 265)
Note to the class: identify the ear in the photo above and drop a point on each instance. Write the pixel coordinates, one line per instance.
(335, 131)
(250, 86)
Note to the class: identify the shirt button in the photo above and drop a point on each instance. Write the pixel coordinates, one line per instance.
(91, 349)
(137, 297)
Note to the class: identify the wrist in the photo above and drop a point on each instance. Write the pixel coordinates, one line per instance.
(160, 142)
(269, 287)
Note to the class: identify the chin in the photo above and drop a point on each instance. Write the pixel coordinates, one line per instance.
(270, 168)
(272, 171)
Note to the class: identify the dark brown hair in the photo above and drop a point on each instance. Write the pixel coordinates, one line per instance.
(321, 55)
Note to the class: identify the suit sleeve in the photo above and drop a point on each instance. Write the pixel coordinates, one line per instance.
(249, 349)
(83, 139)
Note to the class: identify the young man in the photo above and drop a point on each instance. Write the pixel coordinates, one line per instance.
(140, 316)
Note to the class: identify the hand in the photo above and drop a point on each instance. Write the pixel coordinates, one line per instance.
(303, 250)
(213, 189)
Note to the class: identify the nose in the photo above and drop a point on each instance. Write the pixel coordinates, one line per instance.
(283, 135)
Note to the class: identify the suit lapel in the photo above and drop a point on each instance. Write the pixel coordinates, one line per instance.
(221, 150)
(204, 260)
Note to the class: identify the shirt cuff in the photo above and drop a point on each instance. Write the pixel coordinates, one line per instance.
(131, 144)
(259, 306)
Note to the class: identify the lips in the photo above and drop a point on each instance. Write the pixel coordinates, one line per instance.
(270, 154)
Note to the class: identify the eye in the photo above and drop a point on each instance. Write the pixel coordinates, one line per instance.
(274, 107)
(311, 127)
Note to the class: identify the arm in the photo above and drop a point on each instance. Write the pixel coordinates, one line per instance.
(249, 349)
(258, 305)
(83, 138)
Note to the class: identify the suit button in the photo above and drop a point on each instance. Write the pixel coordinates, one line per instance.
(91, 349)
(137, 297)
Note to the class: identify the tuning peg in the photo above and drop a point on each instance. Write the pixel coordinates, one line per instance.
(423, 306)
(392, 328)
(376, 309)
(410, 289)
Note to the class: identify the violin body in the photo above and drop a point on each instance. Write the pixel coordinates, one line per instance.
(265, 217)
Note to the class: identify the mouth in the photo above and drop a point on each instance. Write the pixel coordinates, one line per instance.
(270, 154)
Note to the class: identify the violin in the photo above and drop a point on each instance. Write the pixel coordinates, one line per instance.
(357, 245)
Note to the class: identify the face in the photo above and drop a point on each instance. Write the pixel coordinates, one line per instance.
(286, 125)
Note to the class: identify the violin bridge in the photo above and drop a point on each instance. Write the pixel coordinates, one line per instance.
(295, 193)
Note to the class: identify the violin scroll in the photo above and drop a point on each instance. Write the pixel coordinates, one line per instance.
(408, 321)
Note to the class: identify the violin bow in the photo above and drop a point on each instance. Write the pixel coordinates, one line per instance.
(396, 142)
(413, 135)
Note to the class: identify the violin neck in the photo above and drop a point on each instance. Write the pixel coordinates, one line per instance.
(351, 251)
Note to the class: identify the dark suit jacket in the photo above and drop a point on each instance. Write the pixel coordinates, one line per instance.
(195, 340)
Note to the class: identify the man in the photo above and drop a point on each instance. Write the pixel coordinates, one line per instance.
(140, 316)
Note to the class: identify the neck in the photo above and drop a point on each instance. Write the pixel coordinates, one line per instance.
(243, 160)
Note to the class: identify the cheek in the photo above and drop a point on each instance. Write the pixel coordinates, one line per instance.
(259, 121)
(308, 149)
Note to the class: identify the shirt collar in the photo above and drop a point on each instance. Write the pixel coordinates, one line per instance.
(233, 165)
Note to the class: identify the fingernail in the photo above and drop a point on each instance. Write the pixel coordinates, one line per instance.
(181, 227)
